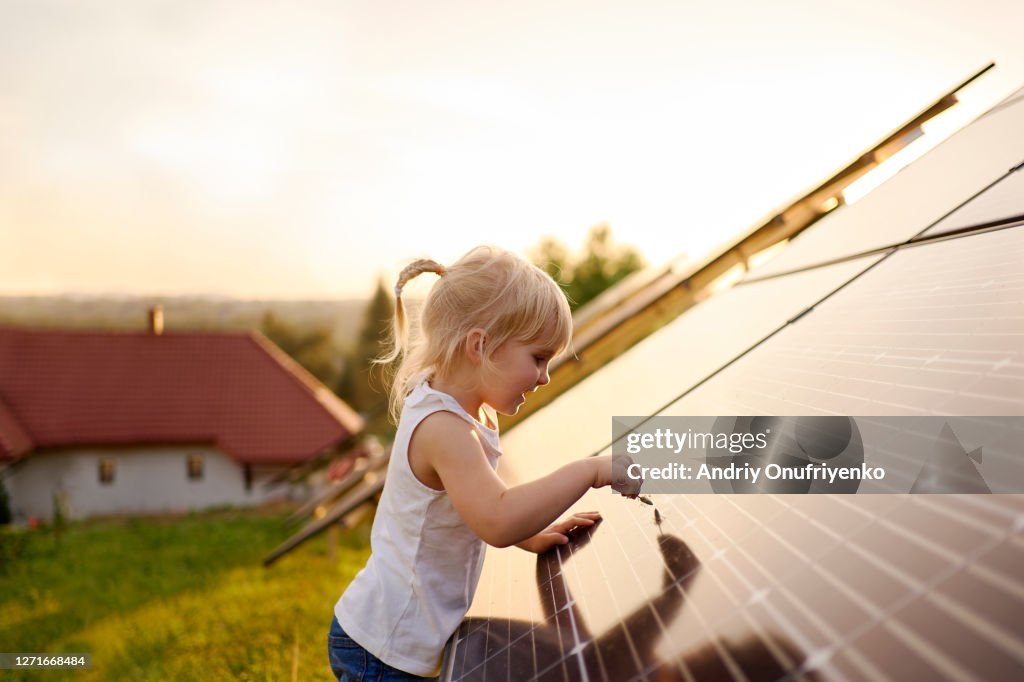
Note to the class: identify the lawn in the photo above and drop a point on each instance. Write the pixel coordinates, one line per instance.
(174, 598)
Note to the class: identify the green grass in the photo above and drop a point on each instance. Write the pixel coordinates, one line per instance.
(181, 598)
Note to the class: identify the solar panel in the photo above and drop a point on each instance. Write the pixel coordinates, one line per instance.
(830, 587)
(1001, 203)
(933, 329)
(711, 334)
(758, 587)
(343, 511)
(916, 197)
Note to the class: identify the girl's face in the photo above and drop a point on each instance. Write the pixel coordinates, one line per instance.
(518, 369)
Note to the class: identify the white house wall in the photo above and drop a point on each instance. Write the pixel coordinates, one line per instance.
(146, 480)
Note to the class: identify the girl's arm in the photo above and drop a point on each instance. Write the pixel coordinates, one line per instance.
(500, 515)
(558, 532)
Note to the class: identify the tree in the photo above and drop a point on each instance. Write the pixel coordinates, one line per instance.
(551, 256)
(313, 348)
(601, 264)
(363, 384)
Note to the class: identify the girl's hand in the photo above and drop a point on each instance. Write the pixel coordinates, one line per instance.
(613, 471)
(558, 532)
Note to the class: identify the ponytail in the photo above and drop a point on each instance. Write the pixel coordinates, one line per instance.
(400, 327)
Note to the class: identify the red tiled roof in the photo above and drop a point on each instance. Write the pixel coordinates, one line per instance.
(62, 388)
(14, 440)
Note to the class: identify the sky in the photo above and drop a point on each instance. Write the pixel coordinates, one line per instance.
(305, 150)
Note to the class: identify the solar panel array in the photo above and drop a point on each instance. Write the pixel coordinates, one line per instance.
(855, 317)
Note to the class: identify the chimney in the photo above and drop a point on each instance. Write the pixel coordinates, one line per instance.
(156, 320)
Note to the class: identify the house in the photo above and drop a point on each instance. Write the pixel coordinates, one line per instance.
(106, 422)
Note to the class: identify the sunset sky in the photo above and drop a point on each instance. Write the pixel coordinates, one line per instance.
(286, 150)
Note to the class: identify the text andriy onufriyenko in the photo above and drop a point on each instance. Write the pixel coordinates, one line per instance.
(811, 471)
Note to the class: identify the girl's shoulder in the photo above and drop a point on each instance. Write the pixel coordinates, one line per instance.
(442, 426)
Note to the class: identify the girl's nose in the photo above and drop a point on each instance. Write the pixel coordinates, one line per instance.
(544, 377)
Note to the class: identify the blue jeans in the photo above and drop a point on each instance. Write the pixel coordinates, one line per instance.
(352, 663)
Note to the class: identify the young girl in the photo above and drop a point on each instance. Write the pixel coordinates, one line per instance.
(488, 330)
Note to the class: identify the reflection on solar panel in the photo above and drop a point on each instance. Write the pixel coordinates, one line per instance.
(824, 587)
(916, 197)
(764, 587)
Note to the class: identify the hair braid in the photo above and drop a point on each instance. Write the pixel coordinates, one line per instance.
(416, 268)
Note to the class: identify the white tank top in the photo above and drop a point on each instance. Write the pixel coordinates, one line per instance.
(425, 563)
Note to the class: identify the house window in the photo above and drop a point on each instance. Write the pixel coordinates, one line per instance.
(248, 476)
(195, 467)
(106, 471)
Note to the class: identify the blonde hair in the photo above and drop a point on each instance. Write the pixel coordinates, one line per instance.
(488, 288)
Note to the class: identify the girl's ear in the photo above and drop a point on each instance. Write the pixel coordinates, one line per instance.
(475, 341)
